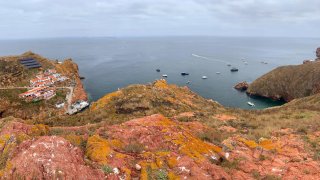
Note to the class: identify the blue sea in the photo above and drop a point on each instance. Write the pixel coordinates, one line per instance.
(110, 63)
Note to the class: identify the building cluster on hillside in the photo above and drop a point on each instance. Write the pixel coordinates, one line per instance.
(38, 93)
(42, 86)
(48, 78)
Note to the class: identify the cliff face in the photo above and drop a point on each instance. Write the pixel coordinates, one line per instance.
(288, 82)
(71, 69)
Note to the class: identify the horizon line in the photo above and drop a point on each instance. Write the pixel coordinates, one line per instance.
(153, 36)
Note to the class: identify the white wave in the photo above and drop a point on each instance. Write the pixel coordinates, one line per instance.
(209, 59)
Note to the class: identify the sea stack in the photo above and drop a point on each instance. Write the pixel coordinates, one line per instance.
(242, 86)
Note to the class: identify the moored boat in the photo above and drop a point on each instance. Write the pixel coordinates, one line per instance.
(234, 69)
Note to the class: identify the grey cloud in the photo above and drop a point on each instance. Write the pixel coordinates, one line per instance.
(47, 18)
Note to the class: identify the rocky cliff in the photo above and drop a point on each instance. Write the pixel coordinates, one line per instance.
(71, 69)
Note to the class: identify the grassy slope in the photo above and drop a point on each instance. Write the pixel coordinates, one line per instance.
(170, 100)
(13, 106)
(288, 82)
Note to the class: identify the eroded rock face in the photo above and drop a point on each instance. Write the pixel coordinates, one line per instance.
(71, 69)
(283, 157)
(159, 143)
(50, 157)
(242, 86)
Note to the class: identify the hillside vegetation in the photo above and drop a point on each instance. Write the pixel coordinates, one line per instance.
(288, 82)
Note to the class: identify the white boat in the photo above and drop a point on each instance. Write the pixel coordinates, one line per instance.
(164, 75)
(204, 77)
(218, 72)
(245, 62)
(250, 103)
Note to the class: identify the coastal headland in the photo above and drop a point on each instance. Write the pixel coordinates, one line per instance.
(152, 131)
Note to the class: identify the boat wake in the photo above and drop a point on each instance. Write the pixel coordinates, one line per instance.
(209, 59)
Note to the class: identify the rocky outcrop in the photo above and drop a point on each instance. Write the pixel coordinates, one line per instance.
(288, 82)
(282, 157)
(318, 53)
(242, 86)
(160, 144)
(49, 158)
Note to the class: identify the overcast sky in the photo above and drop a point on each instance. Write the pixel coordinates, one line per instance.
(86, 18)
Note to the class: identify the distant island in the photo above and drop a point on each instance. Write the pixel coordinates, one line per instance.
(155, 130)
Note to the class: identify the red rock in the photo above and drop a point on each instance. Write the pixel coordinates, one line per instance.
(242, 86)
(14, 127)
(50, 157)
(157, 133)
(225, 117)
(228, 129)
(289, 161)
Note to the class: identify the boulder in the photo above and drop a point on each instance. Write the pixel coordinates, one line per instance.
(242, 86)
(50, 157)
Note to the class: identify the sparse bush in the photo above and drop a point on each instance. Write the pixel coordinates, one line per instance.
(231, 164)
(271, 177)
(134, 147)
(106, 169)
(262, 157)
(256, 174)
(161, 174)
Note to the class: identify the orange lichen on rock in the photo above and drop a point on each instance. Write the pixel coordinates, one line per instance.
(162, 83)
(266, 144)
(101, 103)
(116, 143)
(98, 149)
(249, 143)
(163, 121)
(39, 130)
(74, 139)
(172, 162)
(172, 176)
(195, 148)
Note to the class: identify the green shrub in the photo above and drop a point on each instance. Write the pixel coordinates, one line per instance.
(161, 175)
(107, 169)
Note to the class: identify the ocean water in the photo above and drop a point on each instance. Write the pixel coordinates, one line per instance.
(112, 63)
